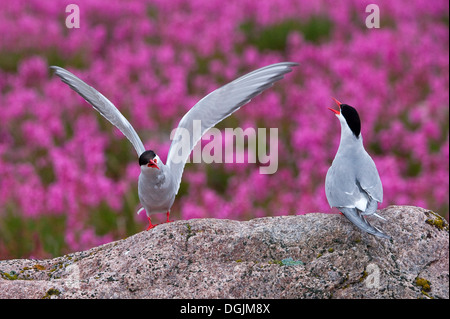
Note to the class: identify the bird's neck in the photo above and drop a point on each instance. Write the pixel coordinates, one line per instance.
(154, 175)
(349, 140)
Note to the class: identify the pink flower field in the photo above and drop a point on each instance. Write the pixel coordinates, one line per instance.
(68, 178)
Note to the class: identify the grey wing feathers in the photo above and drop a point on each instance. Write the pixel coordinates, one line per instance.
(358, 220)
(102, 105)
(346, 184)
(340, 187)
(369, 179)
(218, 105)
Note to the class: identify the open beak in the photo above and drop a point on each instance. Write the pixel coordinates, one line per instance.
(152, 163)
(337, 112)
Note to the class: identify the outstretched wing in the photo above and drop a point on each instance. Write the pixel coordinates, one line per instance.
(216, 106)
(102, 105)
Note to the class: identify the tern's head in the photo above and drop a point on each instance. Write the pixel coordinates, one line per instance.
(149, 159)
(349, 116)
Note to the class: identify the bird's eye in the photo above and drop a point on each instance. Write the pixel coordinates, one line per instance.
(155, 160)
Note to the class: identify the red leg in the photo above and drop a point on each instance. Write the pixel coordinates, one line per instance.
(150, 225)
(167, 214)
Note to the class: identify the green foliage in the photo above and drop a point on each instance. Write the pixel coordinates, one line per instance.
(274, 37)
(217, 178)
(11, 60)
(24, 236)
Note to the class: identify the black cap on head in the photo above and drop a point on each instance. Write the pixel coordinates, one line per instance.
(146, 157)
(352, 118)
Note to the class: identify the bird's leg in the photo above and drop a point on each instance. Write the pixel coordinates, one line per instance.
(150, 225)
(167, 214)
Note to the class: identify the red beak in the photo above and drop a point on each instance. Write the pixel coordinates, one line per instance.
(337, 112)
(152, 163)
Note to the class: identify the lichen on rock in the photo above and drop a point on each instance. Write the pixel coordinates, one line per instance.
(304, 256)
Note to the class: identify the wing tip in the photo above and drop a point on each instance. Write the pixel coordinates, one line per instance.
(289, 65)
(360, 221)
(57, 69)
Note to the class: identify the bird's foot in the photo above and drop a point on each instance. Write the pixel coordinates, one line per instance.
(150, 225)
(168, 220)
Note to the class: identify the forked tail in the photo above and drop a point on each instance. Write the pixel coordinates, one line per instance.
(360, 221)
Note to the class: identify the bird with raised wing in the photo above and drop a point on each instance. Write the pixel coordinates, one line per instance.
(158, 182)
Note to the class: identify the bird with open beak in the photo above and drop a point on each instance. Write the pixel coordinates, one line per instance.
(352, 183)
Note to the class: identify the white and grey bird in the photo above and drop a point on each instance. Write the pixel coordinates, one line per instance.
(352, 183)
(158, 182)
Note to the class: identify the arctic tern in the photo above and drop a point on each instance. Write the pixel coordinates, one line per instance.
(158, 182)
(352, 183)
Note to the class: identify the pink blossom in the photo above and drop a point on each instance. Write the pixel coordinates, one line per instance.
(60, 160)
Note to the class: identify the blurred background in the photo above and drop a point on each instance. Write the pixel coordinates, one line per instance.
(68, 178)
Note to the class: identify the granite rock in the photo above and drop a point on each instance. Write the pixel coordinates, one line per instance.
(305, 256)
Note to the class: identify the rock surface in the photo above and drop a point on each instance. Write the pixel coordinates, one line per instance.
(306, 256)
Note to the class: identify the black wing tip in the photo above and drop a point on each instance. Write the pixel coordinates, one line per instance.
(288, 65)
(59, 71)
(56, 69)
(375, 231)
(382, 234)
(293, 63)
(288, 68)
